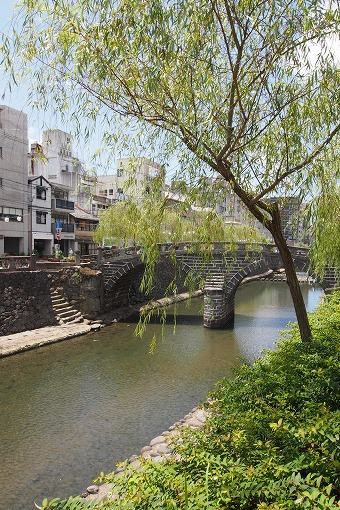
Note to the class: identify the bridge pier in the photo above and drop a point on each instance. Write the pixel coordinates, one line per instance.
(219, 309)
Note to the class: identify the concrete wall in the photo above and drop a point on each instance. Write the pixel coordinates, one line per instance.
(13, 181)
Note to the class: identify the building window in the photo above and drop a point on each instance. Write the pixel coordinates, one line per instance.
(41, 217)
(120, 194)
(41, 192)
(110, 191)
(0, 152)
(11, 214)
(120, 172)
(1, 182)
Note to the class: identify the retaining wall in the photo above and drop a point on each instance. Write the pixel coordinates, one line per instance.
(25, 302)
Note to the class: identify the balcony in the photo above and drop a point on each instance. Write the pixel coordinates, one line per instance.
(65, 227)
(60, 204)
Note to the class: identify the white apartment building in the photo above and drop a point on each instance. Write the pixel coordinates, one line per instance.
(40, 237)
(14, 217)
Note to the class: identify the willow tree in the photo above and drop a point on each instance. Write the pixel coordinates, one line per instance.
(245, 88)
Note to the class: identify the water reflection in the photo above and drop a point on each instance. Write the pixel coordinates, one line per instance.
(74, 409)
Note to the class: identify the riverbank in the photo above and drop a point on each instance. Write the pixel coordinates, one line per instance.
(34, 338)
(158, 450)
(228, 462)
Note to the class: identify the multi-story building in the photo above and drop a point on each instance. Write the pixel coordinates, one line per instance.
(133, 178)
(14, 217)
(40, 237)
(85, 225)
(54, 160)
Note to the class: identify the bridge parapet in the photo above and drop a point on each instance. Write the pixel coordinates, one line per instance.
(18, 263)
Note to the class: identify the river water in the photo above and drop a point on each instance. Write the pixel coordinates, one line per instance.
(71, 410)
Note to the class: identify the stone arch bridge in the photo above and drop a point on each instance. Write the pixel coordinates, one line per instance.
(218, 269)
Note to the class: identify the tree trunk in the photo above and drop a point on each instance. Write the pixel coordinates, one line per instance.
(294, 286)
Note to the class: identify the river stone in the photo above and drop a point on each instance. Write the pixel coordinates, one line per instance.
(135, 464)
(200, 415)
(92, 489)
(145, 449)
(163, 449)
(156, 440)
(192, 422)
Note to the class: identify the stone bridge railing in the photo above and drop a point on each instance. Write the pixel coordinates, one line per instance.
(18, 263)
(198, 247)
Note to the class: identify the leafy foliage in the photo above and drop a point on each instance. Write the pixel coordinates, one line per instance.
(126, 222)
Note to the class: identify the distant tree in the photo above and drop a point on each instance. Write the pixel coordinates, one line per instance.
(129, 222)
(230, 86)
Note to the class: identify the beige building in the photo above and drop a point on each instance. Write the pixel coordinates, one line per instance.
(133, 178)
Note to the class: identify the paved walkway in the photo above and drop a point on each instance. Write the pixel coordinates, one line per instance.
(27, 340)
(19, 342)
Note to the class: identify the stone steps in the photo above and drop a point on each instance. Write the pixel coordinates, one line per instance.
(64, 312)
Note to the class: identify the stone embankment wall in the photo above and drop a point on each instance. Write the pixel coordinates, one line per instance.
(25, 302)
(83, 288)
(25, 296)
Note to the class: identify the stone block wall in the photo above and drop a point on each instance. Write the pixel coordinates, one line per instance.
(219, 308)
(165, 274)
(83, 288)
(25, 301)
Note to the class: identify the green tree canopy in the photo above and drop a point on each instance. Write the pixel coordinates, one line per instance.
(229, 86)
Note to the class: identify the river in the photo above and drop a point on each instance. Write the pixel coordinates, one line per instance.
(71, 410)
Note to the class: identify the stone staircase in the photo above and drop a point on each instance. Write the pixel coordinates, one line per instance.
(64, 312)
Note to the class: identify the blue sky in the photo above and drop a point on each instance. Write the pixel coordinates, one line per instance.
(38, 121)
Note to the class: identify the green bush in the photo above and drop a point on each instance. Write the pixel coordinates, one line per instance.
(271, 442)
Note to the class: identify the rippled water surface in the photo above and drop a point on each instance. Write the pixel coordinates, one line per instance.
(71, 410)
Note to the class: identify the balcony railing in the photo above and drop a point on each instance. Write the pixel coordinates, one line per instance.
(65, 227)
(58, 203)
(87, 228)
